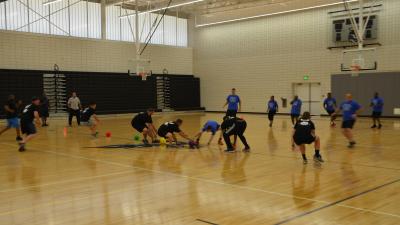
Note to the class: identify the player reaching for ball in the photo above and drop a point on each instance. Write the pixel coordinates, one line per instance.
(211, 126)
(167, 130)
(143, 123)
(234, 126)
(86, 118)
(304, 133)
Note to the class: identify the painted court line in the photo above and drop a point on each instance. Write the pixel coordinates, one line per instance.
(340, 201)
(205, 221)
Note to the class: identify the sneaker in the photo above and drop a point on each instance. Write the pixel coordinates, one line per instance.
(374, 126)
(229, 150)
(380, 126)
(351, 144)
(155, 141)
(247, 149)
(146, 142)
(18, 138)
(21, 147)
(318, 158)
(305, 161)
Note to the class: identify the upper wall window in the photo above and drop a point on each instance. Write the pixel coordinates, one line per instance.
(83, 19)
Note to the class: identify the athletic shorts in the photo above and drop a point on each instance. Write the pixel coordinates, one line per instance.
(162, 133)
(376, 114)
(348, 124)
(139, 127)
(13, 122)
(88, 123)
(28, 128)
(300, 140)
(295, 115)
(271, 114)
(330, 112)
(231, 112)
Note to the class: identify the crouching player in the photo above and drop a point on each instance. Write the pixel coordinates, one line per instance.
(28, 128)
(86, 118)
(234, 126)
(213, 127)
(304, 133)
(167, 130)
(143, 123)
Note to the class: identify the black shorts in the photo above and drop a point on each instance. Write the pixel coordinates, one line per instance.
(330, 112)
(28, 128)
(349, 124)
(376, 114)
(271, 114)
(300, 140)
(139, 127)
(295, 115)
(231, 112)
(162, 133)
(44, 112)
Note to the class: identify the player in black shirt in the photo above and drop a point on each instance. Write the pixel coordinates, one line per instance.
(30, 113)
(304, 133)
(168, 130)
(143, 123)
(11, 111)
(234, 126)
(86, 118)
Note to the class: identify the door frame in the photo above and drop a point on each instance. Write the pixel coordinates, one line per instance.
(309, 83)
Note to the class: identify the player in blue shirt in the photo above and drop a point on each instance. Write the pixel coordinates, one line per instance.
(350, 109)
(234, 104)
(330, 107)
(210, 126)
(377, 109)
(272, 109)
(296, 109)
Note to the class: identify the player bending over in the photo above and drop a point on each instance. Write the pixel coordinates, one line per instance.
(168, 130)
(11, 110)
(304, 133)
(234, 126)
(30, 113)
(143, 123)
(86, 118)
(211, 126)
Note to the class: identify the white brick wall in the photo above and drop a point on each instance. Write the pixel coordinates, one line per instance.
(34, 51)
(263, 57)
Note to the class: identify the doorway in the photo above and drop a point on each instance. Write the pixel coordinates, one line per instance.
(310, 95)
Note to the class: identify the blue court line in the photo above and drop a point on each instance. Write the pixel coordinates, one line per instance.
(335, 203)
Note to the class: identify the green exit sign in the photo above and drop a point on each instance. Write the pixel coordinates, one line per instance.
(306, 77)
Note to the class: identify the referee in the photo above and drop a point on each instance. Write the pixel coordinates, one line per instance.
(74, 109)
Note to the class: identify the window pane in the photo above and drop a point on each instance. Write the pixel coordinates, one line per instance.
(59, 18)
(17, 15)
(170, 30)
(113, 23)
(94, 20)
(38, 24)
(158, 34)
(78, 20)
(182, 33)
(127, 25)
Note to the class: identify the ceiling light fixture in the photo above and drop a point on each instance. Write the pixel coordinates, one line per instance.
(51, 2)
(155, 10)
(273, 14)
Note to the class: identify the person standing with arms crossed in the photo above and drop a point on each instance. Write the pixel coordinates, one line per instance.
(350, 109)
(234, 104)
(74, 108)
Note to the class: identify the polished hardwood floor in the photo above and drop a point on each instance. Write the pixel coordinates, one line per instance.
(61, 180)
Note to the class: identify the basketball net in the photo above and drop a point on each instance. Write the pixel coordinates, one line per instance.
(355, 70)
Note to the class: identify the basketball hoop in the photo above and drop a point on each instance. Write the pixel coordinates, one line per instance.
(143, 75)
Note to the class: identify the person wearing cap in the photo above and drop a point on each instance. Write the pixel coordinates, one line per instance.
(234, 104)
(28, 128)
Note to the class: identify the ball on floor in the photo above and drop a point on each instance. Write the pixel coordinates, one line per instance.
(163, 141)
(136, 137)
(108, 134)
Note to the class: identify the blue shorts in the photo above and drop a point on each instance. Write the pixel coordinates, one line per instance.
(13, 122)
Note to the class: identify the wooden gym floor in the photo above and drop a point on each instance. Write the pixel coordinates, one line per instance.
(60, 181)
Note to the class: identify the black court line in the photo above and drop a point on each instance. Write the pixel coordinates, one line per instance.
(205, 221)
(335, 203)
